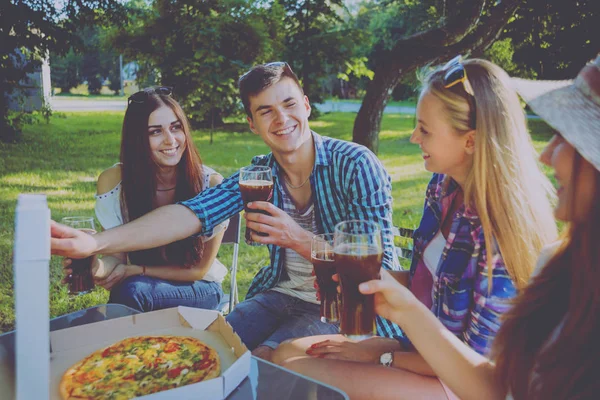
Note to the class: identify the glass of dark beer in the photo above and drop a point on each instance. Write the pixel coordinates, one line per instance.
(322, 257)
(81, 280)
(358, 256)
(256, 184)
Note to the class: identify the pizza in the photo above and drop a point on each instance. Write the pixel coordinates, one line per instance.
(138, 366)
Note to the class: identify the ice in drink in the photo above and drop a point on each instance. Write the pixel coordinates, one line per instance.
(356, 264)
(255, 190)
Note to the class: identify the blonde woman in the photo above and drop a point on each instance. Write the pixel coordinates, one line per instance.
(547, 347)
(487, 215)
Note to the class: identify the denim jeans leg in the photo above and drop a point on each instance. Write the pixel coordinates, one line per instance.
(145, 293)
(303, 319)
(255, 319)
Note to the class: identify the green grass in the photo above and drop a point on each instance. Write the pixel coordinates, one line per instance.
(63, 159)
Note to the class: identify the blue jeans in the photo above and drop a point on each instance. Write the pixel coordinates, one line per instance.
(145, 293)
(271, 317)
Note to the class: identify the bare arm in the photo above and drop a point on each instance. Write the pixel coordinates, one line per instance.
(413, 362)
(159, 227)
(466, 372)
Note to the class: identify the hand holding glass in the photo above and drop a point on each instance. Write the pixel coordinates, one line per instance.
(358, 256)
(81, 280)
(322, 257)
(256, 184)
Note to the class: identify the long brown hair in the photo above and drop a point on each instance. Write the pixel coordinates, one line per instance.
(549, 345)
(139, 178)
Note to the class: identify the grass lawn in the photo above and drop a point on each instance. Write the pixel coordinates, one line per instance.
(63, 159)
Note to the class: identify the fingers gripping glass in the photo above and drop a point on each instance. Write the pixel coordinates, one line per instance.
(456, 73)
(142, 95)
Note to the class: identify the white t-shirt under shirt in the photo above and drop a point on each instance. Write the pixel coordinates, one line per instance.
(301, 283)
(108, 212)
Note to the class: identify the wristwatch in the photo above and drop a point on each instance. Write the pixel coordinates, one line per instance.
(386, 359)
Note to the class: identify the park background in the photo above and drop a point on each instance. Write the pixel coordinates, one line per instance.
(366, 53)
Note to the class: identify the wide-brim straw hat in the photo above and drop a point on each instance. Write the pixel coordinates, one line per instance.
(571, 107)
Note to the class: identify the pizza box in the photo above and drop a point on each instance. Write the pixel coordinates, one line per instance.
(31, 369)
(70, 345)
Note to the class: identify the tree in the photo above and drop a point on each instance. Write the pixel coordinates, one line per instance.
(29, 30)
(92, 62)
(464, 27)
(555, 38)
(318, 43)
(66, 70)
(200, 47)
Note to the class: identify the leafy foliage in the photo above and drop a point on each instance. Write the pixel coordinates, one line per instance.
(201, 48)
(94, 61)
(320, 44)
(29, 30)
(553, 39)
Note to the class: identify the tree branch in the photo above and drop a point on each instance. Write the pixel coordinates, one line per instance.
(452, 32)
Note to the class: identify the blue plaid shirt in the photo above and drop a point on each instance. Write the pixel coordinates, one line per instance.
(348, 182)
(461, 299)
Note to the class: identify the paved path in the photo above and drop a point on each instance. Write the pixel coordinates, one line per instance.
(62, 104)
(73, 104)
(346, 106)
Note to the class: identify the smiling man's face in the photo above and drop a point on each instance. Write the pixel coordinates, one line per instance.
(280, 116)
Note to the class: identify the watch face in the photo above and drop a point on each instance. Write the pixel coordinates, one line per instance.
(386, 359)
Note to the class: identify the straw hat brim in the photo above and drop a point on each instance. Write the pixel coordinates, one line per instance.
(568, 110)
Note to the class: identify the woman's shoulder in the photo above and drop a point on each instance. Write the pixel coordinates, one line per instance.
(109, 179)
(434, 187)
(211, 177)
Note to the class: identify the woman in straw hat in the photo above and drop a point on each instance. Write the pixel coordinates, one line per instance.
(547, 347)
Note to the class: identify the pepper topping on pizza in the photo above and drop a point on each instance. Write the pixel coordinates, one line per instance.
(139, 366)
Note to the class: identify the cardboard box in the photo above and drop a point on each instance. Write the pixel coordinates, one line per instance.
(73, 344)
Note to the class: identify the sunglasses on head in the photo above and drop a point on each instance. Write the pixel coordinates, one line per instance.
(455, 73)
(142, 95)
(279, 64)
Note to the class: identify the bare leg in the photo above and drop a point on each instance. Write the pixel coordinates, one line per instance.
(264, 352)
(297, 347)
(365, 381)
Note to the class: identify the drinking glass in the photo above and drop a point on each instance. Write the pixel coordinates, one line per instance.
(322, 257)
(358, 256)
(81, 280)
(256, 184)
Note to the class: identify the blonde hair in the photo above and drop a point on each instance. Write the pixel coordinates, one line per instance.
(505, 185)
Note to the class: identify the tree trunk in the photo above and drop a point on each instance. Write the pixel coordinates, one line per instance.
(368, 120)
(471, 31)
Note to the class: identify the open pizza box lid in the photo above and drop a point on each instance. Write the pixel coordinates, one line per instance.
(31, 369)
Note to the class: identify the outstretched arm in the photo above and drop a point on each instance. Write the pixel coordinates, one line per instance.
(467, 373)
(157, 228)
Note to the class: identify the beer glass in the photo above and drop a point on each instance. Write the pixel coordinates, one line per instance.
(81, 280)
(322, 256)
(256, 184)
(358, 256)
